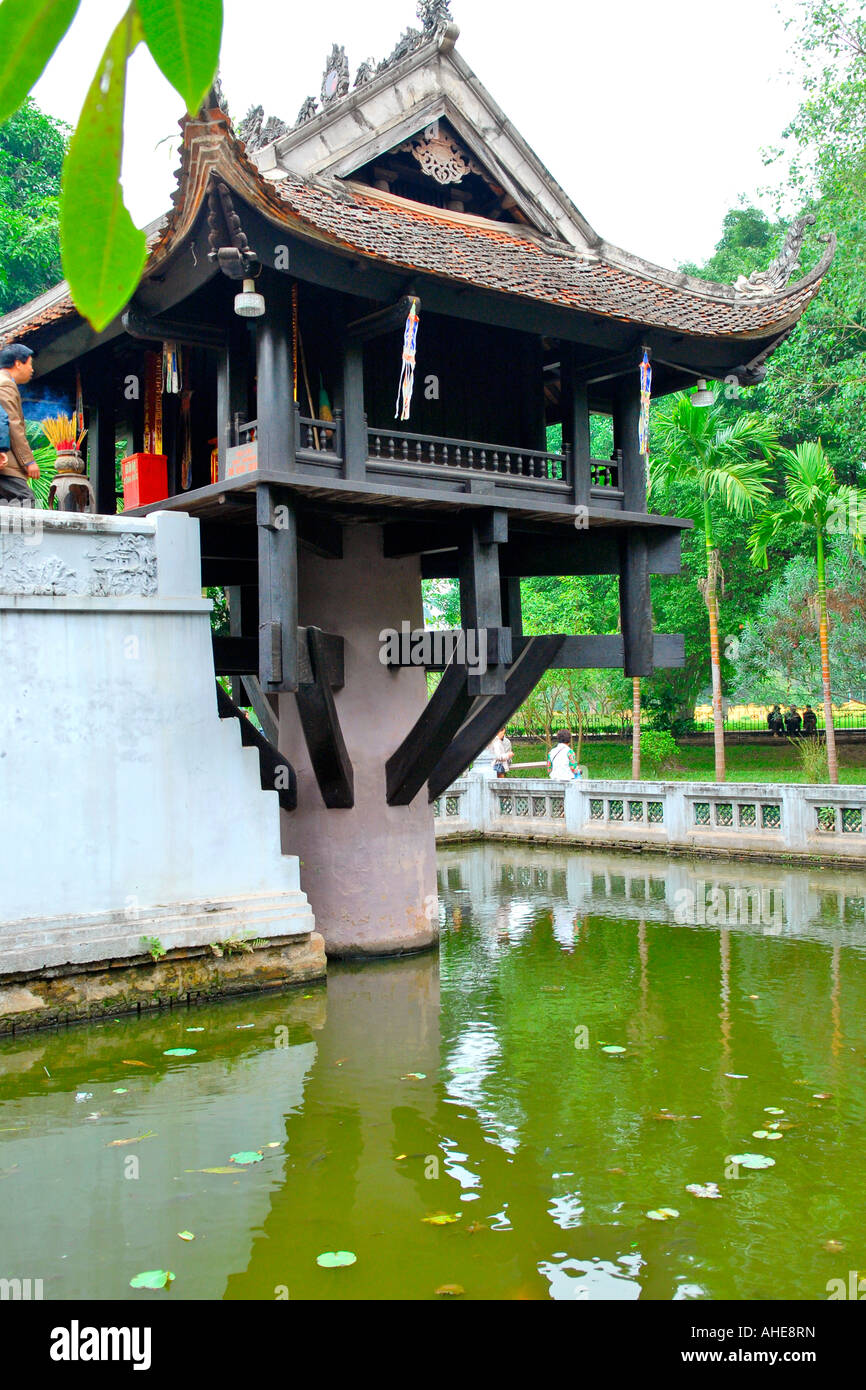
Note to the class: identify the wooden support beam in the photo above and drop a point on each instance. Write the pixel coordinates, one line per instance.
(488, 716)
(480, 600)
(275, 771)
(101, 439)
(512, 607)
(278, 589)
(321, 725)
(635, 606)
(275, 410)
(354, 418)
(386, 320)
(607, 652)
(595, 551)
(239, 656)
(161, 330)
(263, 706)
(413, 761)
(575, 425)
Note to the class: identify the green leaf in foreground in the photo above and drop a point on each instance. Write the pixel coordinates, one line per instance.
(184, 39)
(152, 1279)
(103, 252)
(30, 30)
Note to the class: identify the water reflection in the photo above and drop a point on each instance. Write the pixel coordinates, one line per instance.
(487, 1103)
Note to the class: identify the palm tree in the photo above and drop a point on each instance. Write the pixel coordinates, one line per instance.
(814, 499)
(727, 461)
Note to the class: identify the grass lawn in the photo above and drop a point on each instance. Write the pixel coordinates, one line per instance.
(745, 763)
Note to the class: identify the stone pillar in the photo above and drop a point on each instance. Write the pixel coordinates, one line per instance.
(369, 870)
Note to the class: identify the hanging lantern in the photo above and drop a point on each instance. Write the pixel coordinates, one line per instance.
(249, 304)
(701, 396)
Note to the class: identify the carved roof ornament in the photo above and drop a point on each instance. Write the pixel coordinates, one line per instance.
(779, 271)
(335, 83)
(309, 109)
(441, 156)
(257, 132)
(434, 14)
(366, 72)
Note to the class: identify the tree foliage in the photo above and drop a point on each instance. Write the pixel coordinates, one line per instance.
(32, 146)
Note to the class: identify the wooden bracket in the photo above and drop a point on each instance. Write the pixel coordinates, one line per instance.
(332, 765)
(278, 589)
(411, 764)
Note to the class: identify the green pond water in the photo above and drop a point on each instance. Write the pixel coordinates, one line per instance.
(475, 1084)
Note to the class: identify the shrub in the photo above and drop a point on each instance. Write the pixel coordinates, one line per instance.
(658, 749)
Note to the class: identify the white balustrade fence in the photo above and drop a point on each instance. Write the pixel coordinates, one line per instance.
(767, 819)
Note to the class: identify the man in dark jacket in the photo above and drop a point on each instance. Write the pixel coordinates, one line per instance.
(17, 463)
(810, 721)
(792, 722)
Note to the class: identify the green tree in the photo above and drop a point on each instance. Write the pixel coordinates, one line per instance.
(726, 459)
(32, 146)
(821, 505)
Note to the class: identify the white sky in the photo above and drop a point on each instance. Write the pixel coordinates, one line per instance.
(651, 114)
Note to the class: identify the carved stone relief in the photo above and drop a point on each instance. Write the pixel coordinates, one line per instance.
(117, 565)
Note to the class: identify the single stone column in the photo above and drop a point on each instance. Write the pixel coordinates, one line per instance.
(369, 870)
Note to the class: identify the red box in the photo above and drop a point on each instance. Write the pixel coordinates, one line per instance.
(145, 479)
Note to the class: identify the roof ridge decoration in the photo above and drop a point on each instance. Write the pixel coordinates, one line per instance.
(441, 157)
(436, 20)
(779, 271)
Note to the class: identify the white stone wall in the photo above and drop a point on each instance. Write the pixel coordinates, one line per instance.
(130, 809)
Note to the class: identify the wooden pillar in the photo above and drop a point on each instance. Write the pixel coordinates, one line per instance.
(101, 437)
(575, 425)
(278, 589)
(274, 404)
(626, 416)
(480, 594)
(354, 419)
(634, 580)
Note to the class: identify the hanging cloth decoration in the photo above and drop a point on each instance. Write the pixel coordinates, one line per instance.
(171, 374)
(407, 372)
(646, 382)
(325, 413)
(185, 440)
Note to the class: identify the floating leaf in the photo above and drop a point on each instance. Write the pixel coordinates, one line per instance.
(30, 30)
(120, 1091)
(186, 1235)
(656, 1216)
(211, 1170)
(275, 1144)
(245, 1025)
(666, 1115)
(752, 1160)
(400, 1158)
(450, 1290)
(707, 1189)
(195, 1030)
(613, 1047)
(152, 1279)
(773, 1110)
(737, 1075)
(184, 38)
(136, 1139)
(247, 1156)
(668, 1211)
(128, 1063)
(760, 1134)
(775, 1136)
(104, 266)
(442, 1218)
(81, 1096)
(414, 1076)
(822, 1095)
(335, 1259)
(834, 1247)
(179, 1052)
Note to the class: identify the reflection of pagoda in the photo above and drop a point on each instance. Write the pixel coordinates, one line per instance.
(319, 514)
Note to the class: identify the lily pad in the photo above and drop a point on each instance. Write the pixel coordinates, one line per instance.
(669, 1211)
(186, 1235)
(120, 1091)
(152, 1279)
(656, 1216)
(760, 1134)
(450, 1290)
(613, 1047)
(247, 1156)
(706, 1189)
(442, 1218)
(752, 1160)
(773, 1110)
(335, 1259)
(775, 1135)
(179, 1052)
(414, 1076)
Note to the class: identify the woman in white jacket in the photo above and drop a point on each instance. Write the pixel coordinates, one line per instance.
(562, 763)
(503, 754)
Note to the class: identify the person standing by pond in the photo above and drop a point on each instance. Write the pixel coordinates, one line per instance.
(18, 463)
(810, 721)
(503, 754)
(775, 722)
(562, 762)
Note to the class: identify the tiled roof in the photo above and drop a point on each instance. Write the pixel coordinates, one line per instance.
(495, 257)
(457, 247)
